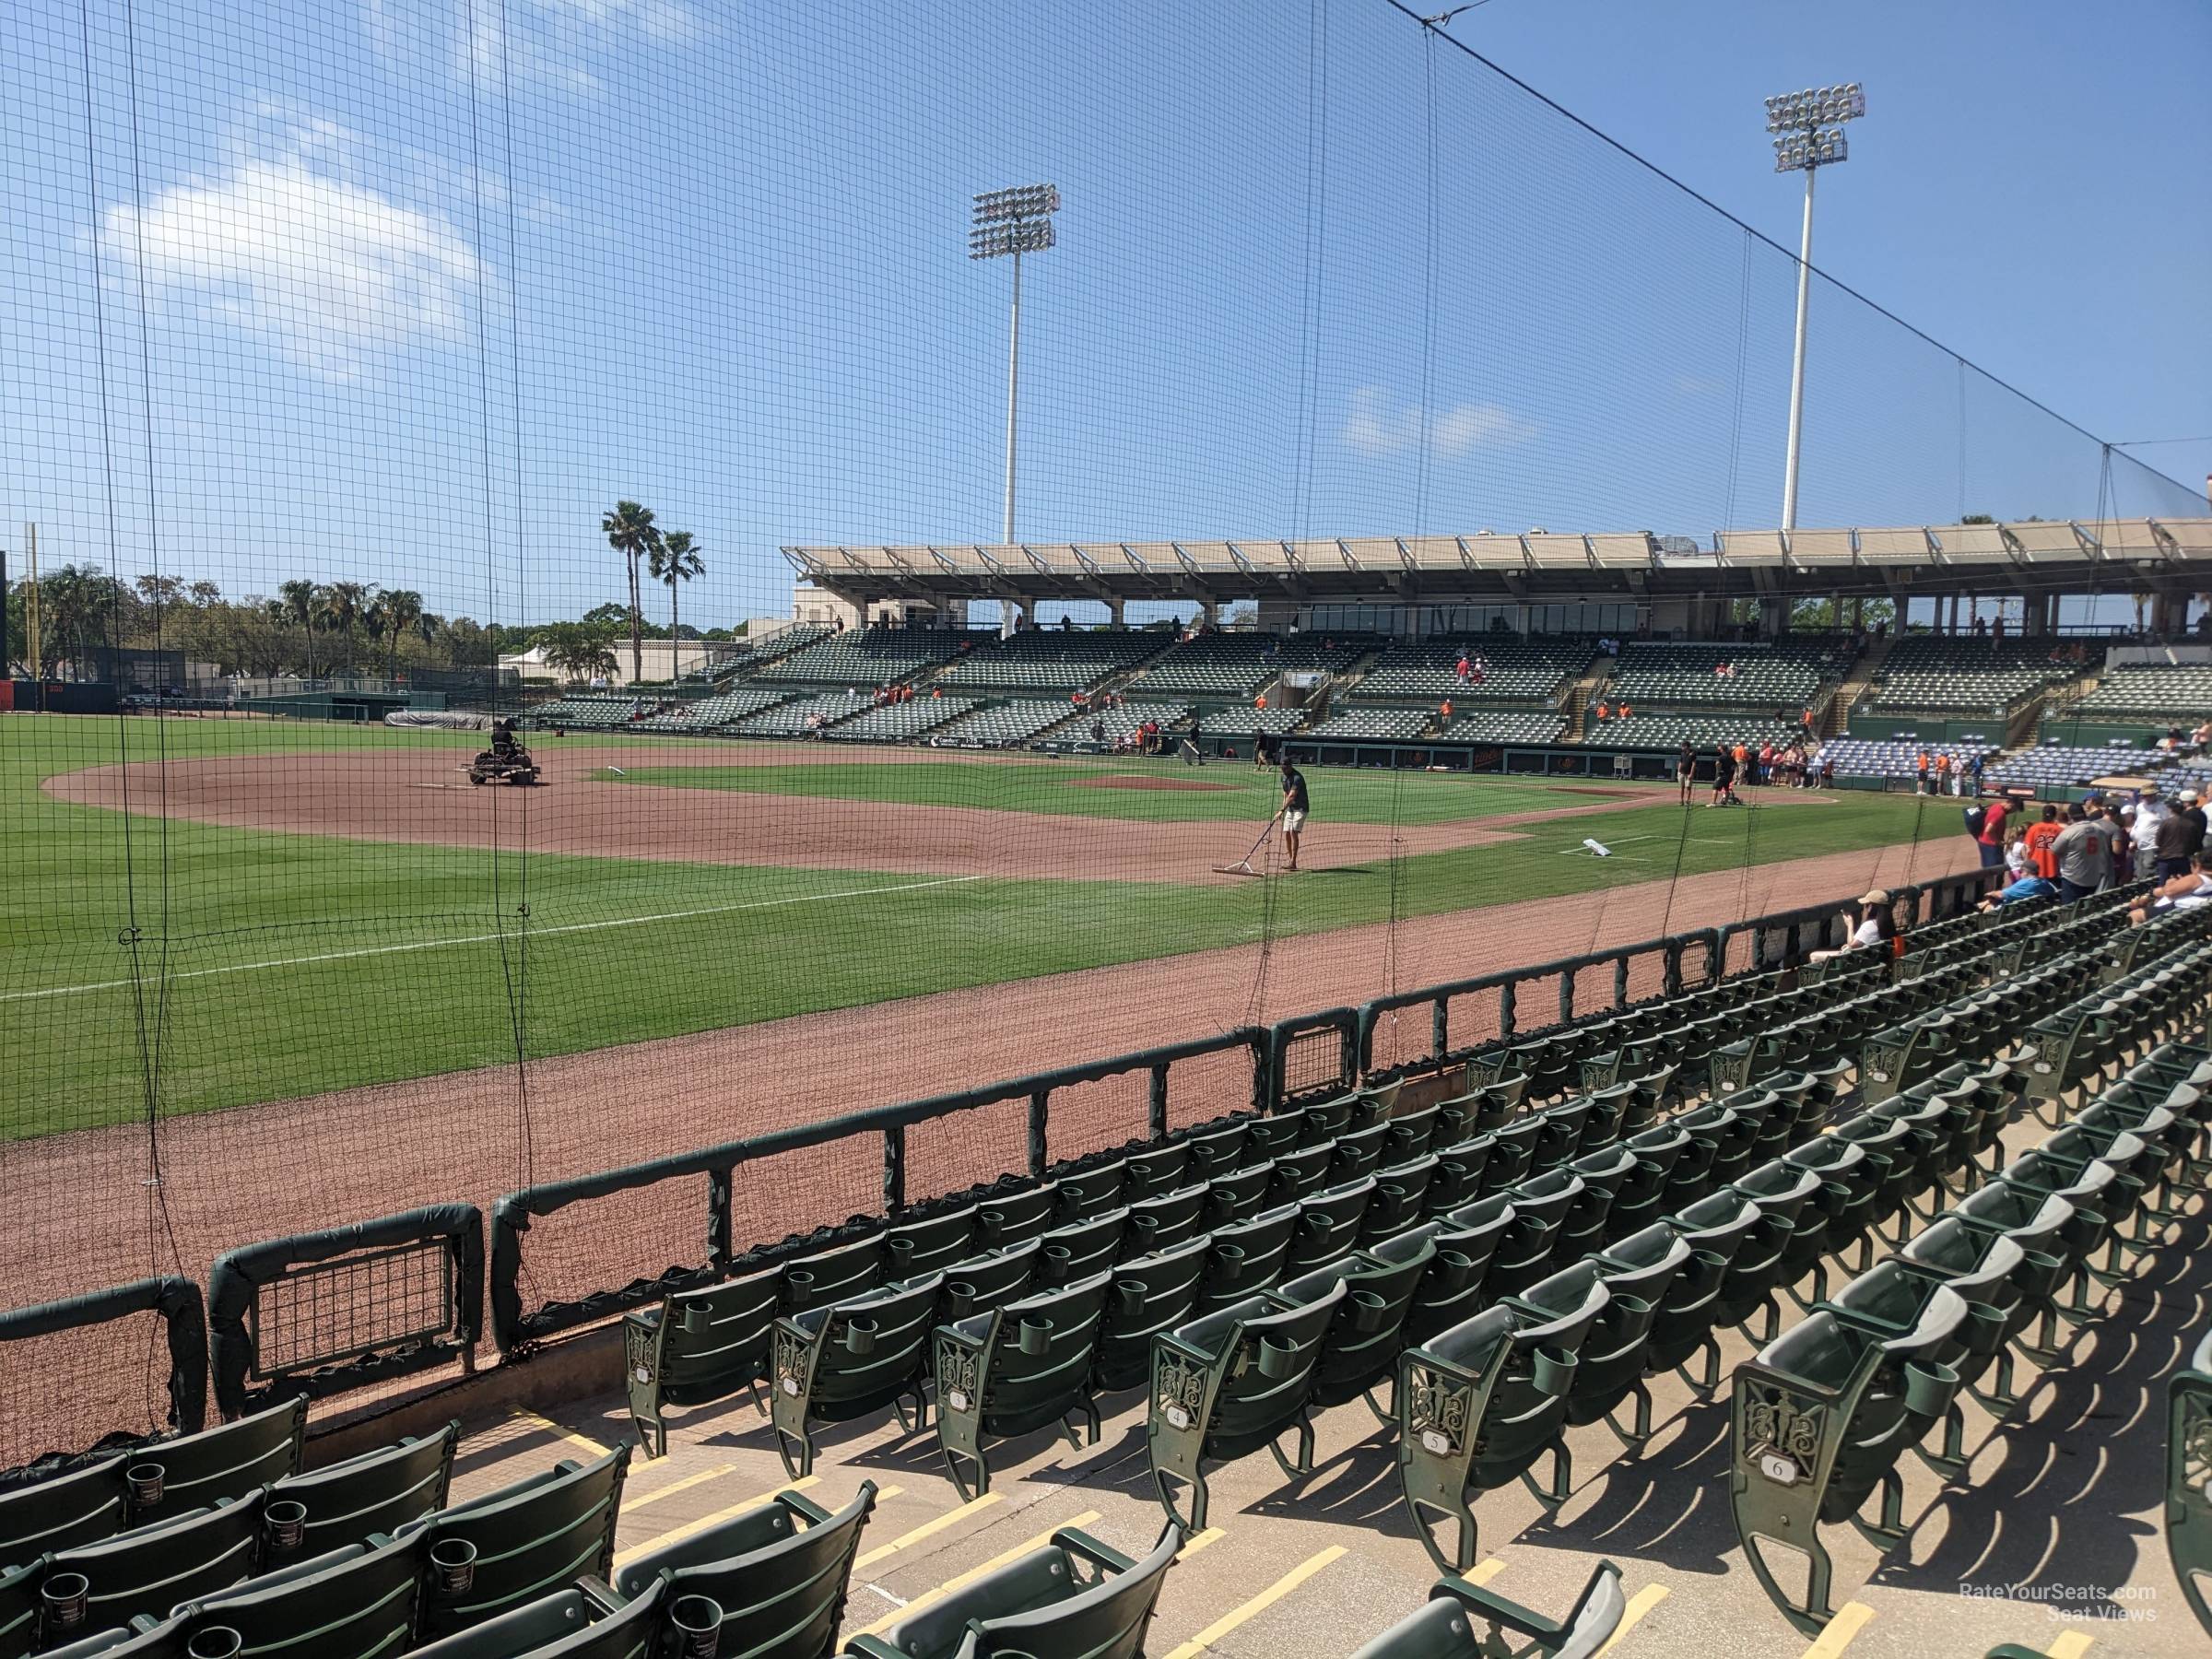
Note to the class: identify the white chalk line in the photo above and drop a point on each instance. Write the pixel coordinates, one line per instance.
(570, 927)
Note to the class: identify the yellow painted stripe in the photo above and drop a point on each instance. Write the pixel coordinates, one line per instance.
(928, 1529)
(1198, 1541)
(1849, 1619)
(993, 1565)
(1642, 1602)
(1258, 1603)
(1485, 1571)
(624, 1557)
(2072, 1645)
(546, 1425)
(631, 1505)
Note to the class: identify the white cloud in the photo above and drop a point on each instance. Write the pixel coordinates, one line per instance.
(1379, 426)
(288, 242)
(500, 45)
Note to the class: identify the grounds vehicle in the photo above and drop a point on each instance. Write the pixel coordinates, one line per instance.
(506, 761)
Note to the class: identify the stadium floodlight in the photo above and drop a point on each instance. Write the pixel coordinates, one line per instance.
(1014, 222)
(1808, 135)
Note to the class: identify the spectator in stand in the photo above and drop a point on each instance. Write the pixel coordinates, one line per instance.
(2028, 886)
(1874, 929)
(2201, 739)
(1444, 708)
(1602, 709)
(1622, 710)
(2189, 890)
(2151, 817)
(2195, 815)
(1465, 668)
(2018, 861)
(2085, 853)
(1989, 836)
(2038, 839)
(1260, 703)
(1098, 731)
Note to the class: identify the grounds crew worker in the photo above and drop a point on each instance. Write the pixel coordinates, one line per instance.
(1294, 809)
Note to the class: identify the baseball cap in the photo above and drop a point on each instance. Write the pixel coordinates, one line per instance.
(1879, 896)
(2188, 794)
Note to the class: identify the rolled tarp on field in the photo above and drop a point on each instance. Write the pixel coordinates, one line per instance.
(444, 720)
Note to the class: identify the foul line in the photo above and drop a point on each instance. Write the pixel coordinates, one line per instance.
(570, 927)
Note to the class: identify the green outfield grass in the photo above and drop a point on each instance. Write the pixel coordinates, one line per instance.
(267, 966)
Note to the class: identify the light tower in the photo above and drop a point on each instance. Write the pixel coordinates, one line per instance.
(1808, 129)
(1015, 221)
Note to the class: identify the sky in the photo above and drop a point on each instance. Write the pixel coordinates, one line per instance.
(412, 290)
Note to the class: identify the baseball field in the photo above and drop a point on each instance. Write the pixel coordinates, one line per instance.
(230, 911)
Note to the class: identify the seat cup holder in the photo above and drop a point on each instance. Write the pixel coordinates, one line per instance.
(860, 1334)
(286, 1521)
(1230, 1255)
(146, 1482)
(1129, 1298)
(1036, 1337)
(1369, 1311)
(1453, 1269)
(1277, 1360)
(65, 1598)
(1987, 1324)
(1929, 1388)
(696, 1318)
(1058, 1259)
(801, 1284)
(215, 1641)
(452, 1567)
(1553, 1370)
(696, 1621)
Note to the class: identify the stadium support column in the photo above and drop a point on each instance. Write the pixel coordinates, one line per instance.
(1808, 135)
(1804, 272)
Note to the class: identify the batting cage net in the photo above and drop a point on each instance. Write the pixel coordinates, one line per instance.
(587, 586)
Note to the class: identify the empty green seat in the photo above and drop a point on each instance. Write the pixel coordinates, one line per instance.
(1067, 1254)
(1247, 1257)
(1526, 1252)
(149, 1569)
(776, 1575)
(852, 1357)
(1228, 1383)
(1150, 1295)
(1086, 1193)
(1781, 1194)
(1015, 1369)
(1400, 1199)
(913, 1247)
(698, 1346)
(521, 1543)
(171, 1476)
(1362, 1347)
(1467, 1621)
(1016, 1214)
(379, 1491)
(1161, 1169)
(584, 1622)
(1458, 1176)
(1819, 1418)
(829, 1275)
(981, 1283)
(1302, 1171)
(359, 1602)
(1328, 1224)
(1714, 1229)
(1455, 1285)
(1239, 1194)
(1075, 1596)
(2189, 1480)
(1638, 1272)
(85, 1504)
(1165, 1220)
(1478, 1404)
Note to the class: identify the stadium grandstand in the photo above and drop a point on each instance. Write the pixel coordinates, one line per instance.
(1030, 829)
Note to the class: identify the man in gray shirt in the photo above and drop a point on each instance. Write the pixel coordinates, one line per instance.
(2085, 853)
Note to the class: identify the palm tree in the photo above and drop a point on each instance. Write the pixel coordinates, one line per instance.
(675, 559)
(429, 625)
(301, 601)
(400, 609)
(344, 605)
(628, 529)
(578, 650)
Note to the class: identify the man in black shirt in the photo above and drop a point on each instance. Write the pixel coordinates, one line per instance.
(1294, 809)
(1724, 776)
(2193, 809)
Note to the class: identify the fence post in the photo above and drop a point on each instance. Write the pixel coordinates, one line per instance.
(894, 1169)
(1565, 994)
(1157, 1124)
(1621, 982)
(1440, 1029)
(722, 1249)
(1040, 1155)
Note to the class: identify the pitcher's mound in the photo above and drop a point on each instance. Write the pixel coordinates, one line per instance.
(1144, 780)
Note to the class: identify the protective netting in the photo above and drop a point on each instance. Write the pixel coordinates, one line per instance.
(481, 358)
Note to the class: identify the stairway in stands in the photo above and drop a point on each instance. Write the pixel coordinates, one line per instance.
(1836, 721)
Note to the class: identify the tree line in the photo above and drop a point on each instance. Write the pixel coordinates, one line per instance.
(313, 629)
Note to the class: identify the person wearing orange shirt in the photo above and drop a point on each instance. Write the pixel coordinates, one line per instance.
(2038, 839)
(1920, 769)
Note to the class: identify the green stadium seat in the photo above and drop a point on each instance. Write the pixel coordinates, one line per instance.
(586, 1622)
(1400, 1199)
(1086, 1193)
(1328, 1225)
(1239, 1194)
(981, 1283)
(849, 1358)
(1074, 1597)
(149, 1569)
(1819, 1418)
(1466, 1240)
(80, 1507)
(1637, 1273)
(1068, 1253)
(358, 1602)
(698, 1346)
(378, 1491)
(1228, 1383)
(2189, 1480)
(1542, 1205)
(1010, 1216)
(527, 1540)
(1362, 1345)
(1247, 1257)
(1478, 1404)
(777, 1575)
(1784, 1196)
(915, 1248)
(145, 1638)
(1445, 1626)
(1714, 1229)
(1162, 1169)
(1015, 1369)
(1150, 1295)
(830, 1275)
(171, 1477)
(1163, 1221)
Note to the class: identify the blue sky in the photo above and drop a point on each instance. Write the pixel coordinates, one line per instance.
(411, 289)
